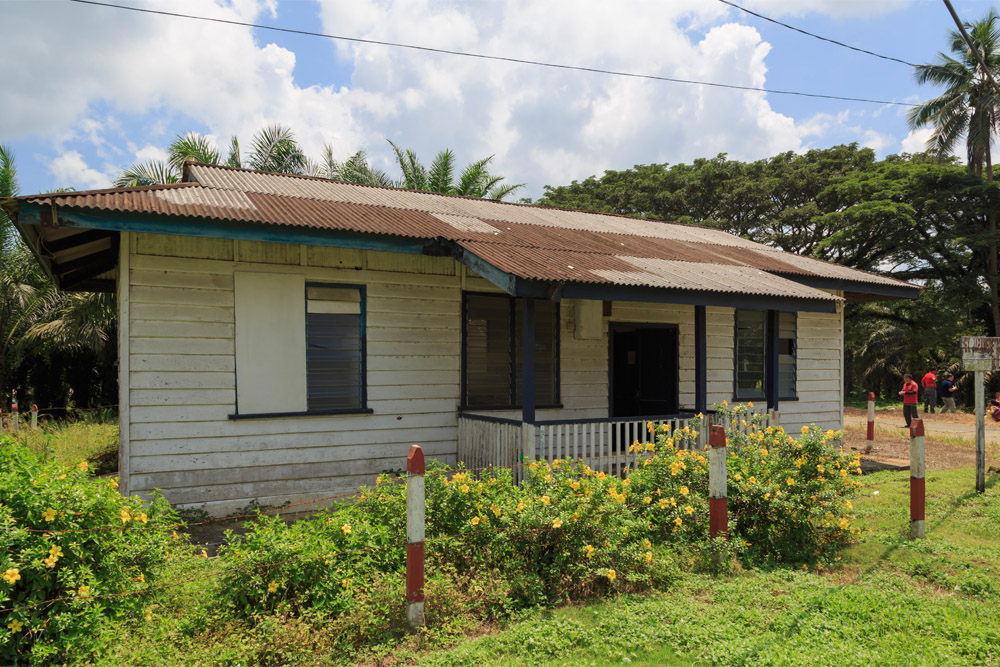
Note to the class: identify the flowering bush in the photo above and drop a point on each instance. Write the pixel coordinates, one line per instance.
(39, 562)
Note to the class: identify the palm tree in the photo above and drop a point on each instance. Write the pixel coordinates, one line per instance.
(354, 169)
(474, 181)
(274, 148)
(970, 108)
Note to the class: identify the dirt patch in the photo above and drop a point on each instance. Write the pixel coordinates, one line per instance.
(894, 447)
(938, 417)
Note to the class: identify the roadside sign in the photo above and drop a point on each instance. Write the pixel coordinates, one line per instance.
(980, 353)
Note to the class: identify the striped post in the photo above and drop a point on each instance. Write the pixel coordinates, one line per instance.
(13, 412)
(775, 419)
(871, 423)
(917, 486)
(718, 504)
(34, 417)
(415, 537)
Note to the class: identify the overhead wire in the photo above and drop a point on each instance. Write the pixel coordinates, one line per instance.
(814, 35)
(482, 56)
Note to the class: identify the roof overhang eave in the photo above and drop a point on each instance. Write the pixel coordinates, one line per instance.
(865, 291)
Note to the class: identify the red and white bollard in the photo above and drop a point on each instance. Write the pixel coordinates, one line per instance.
(718, 487)
(917, 485)
(871, 423)
(415, 506)
(34, 417)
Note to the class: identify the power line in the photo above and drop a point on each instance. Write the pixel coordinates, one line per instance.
(520, 61)
(814, 35)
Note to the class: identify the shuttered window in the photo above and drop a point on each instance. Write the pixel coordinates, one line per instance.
(751, 328)
(492, 352)
(786, 355)
(335, 348)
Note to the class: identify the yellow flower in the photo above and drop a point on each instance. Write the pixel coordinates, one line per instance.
(611, 576)
(752, 480)
(475, 521)
(520, 507)
(820, 468)
(82, 465)
(650, 446)
(790, 482)
(749, 404)
(15, 625)
(495, 510)
(844, 523)
(465, 488)
(49, 514)
(55, 550)
(83, 591)
(647, 500)
(805, 429)
(647, 544)
(648, 556)
(126, 517)
(738, 477)
(346, 528)
(684, 491)
(767, 496)
(575, 486)
(148, 615)
(272, 587)
(557, 523)
(689, 509)
(142, 517)
(665, 427)
(50, 562)
(545, 500)
(725, 402)
(11, 575)
(763, 451)
(589, 551)
(663, 503)
(113, 482)
(678, 521)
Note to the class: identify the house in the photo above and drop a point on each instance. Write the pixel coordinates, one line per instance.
(283, 338)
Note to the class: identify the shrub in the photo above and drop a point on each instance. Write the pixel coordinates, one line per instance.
(39, 499)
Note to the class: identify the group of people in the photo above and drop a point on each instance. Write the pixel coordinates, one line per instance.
(910, 394)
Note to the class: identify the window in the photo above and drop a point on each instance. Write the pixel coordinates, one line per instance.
(335, 348)
(751, 355)
(491, 352)
(751, 326)
(786, 355)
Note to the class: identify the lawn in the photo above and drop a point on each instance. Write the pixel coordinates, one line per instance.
(82, 436)
(888, 601)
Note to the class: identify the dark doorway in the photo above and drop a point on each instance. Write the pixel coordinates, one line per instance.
(644, 375)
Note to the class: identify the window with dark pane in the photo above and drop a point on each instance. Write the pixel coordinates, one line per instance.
(492, 351)
(334, 348)
(786, 355)
(750, 360)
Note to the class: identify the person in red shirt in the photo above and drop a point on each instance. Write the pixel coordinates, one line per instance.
(909, 394)
(930, 389)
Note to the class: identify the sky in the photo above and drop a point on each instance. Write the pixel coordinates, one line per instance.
(90, 89)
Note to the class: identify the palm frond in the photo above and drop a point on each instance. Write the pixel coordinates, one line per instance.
(233, 156)
(153, 172)
(275, 149)
(192, 146)
(441, 172)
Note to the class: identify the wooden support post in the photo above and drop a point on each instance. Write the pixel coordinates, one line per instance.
(13, 412)
(718, 486)
(775, 418)
(34, 417)
(917, 485)
(871, 423)
(415, 508)
(700, 361)
(980, 433)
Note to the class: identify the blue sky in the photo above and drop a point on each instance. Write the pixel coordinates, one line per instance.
(94, 89)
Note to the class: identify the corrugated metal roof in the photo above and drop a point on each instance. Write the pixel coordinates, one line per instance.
(527, 241)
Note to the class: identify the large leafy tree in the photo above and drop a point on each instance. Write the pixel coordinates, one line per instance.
(969, 110)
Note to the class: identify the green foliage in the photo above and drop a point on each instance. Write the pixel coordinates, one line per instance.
(84, 571)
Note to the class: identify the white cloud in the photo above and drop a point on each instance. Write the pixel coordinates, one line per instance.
(71, 170)
(543, 125)
(916, 140)
(836, 8)
(151, 152)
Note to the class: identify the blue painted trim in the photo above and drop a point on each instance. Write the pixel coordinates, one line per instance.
(603, 292)
(528, 361)
(317, 413)
(889, 291)
(503, 280)
(239, 231)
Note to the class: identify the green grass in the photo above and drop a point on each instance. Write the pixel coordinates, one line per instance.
(69, 442)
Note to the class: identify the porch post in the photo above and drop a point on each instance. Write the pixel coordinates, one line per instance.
(528, 361)
(771, 360)
(700, 361)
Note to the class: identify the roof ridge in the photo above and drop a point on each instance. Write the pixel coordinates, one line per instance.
(101, 191)
(453, 196)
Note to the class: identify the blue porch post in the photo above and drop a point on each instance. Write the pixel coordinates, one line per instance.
(528, 361)
(700, 361)
(771, 360)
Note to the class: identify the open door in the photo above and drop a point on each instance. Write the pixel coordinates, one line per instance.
(644, 360)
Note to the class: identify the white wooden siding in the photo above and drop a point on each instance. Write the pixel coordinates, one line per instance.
(181, 371)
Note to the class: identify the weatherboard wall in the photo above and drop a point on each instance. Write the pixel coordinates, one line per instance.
(182, 371)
